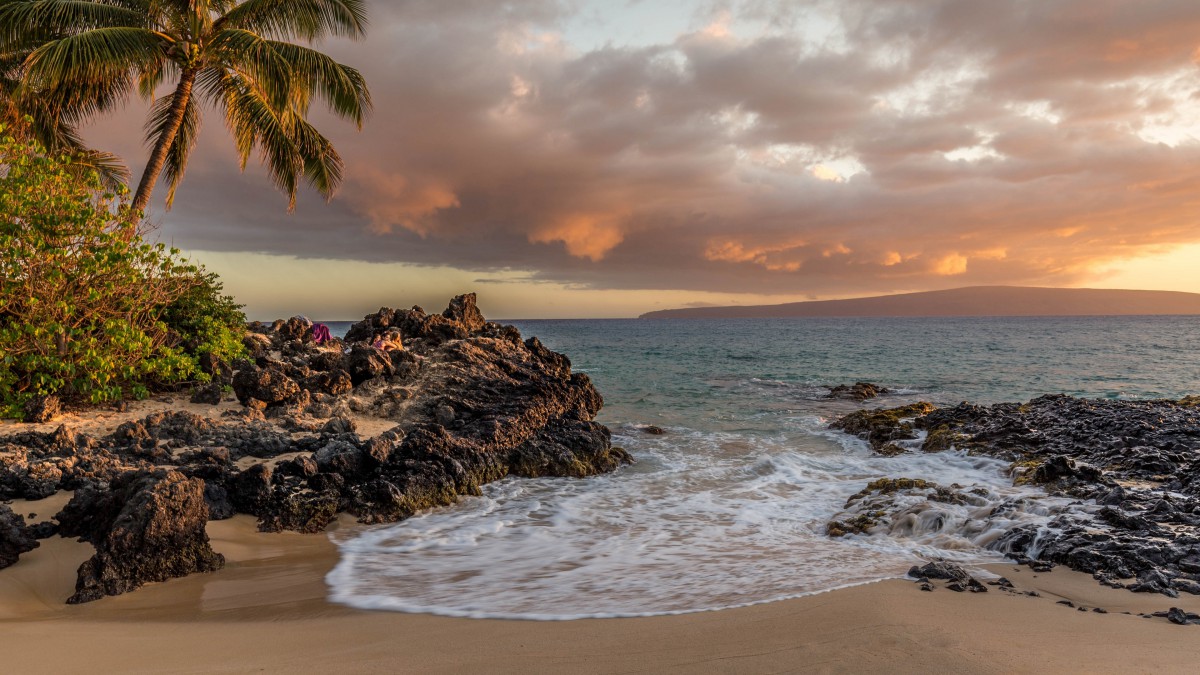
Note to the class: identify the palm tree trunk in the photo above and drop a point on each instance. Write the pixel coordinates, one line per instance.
(183, 94)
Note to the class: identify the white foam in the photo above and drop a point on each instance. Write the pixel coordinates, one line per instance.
(703, 521)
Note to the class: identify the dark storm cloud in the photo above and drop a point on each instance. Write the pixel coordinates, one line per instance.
(712, 162)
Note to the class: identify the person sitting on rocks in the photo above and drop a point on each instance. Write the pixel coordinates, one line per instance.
(389, 341)
(320, 333)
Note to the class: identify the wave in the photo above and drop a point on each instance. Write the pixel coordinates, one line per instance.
(706, 520)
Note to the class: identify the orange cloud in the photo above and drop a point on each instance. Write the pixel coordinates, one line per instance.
(991, 254)
(584, 235)
(836, 249)
(951, 265)
(393, 200)
(767, 257)
(712, 144)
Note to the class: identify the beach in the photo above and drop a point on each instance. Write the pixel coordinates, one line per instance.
(266, 612)
(911, 387)
(745, 494)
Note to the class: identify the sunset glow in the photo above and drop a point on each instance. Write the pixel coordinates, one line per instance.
(747, 151)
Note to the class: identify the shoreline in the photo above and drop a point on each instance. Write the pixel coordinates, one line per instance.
(267, 610)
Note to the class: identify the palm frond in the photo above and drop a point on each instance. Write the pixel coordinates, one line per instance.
(149, 79)
(113, 172)
(20, 19)
(304, 19)
(95, 56)
(256, 58)
(290, 147)
(342, 87)
(323, 166)
(254, 123)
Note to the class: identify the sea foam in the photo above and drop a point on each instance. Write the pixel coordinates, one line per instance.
(729, 507)
(703, 521)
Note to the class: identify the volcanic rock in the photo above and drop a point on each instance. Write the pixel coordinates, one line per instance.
(880, 427)
(42, 409)
(148, 527)
(269, 385)
(859, 391)
(1131, 468)
(209, 394)
(468, 402)
(15, 537)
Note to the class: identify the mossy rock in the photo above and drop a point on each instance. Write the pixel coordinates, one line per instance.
(942, 439)
(887, 486)
(859, 524)
(890, 485)
(1025, 471)
(1062, 472)
(881, 426)
(891, 450)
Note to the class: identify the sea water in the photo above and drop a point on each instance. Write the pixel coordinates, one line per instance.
(729, 506)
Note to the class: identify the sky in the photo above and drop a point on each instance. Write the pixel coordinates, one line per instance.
(578, 158)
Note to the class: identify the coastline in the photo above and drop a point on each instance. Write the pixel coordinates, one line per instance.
(267, 611)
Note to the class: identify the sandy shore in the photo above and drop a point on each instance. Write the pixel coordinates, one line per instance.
(266, 612)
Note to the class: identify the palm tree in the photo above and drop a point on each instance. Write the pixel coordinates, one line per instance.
(53, 126)
(236, 55)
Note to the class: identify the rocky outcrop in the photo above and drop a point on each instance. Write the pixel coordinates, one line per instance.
(957, 578)
(888, 504)
(859, 391)
(268, 385)
(148, 526)
(42, 409)
(15, 537)
(883, 428)
(468, 402)
(1132, 469)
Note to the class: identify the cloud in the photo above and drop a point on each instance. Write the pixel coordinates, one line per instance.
(778, 147)
(584, 235)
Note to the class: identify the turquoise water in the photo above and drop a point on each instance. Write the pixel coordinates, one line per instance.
(693, 362)
(729, 506)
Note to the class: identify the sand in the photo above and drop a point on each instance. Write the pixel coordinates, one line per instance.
(266, 612)
(104, 420)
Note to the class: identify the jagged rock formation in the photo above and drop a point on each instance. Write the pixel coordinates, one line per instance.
(859, 391)
(41, 409)
(15, 537)
(471, 403)
(148, 526)
(959, 579)
(1132, 466)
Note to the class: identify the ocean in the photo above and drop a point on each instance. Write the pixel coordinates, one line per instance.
(728, 507)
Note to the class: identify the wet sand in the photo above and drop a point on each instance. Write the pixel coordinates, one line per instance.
(266, 612)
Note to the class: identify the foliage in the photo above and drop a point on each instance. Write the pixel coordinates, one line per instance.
(51, 120)
(82, 295)
(240, 56)
(205, 320)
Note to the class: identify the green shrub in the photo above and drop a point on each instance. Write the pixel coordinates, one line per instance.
(83, 296)
(205, 320)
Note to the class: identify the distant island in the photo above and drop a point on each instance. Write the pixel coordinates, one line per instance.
(970, 301)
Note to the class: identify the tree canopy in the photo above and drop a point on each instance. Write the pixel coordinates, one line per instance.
(242, 57)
